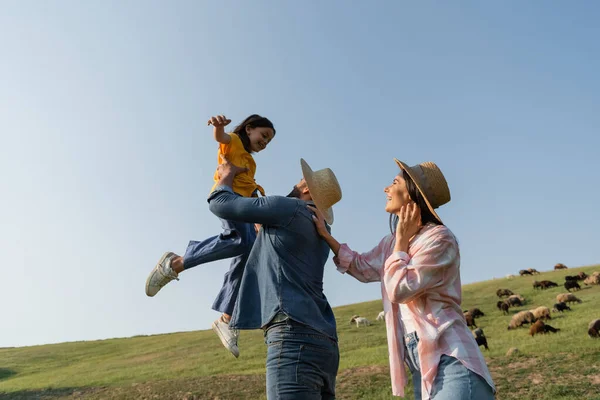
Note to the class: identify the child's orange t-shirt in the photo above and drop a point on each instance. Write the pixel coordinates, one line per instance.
(244, 183)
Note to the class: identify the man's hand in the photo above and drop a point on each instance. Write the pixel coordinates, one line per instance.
(226, 168)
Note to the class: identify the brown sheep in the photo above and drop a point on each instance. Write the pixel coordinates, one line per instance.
(480, 338)
(533, 271)
(567, 298)
(548, 284)
(572, 285)
(561, 307)
(560, 266)
(476, 312)
(541, 313)
(537, 285)
(503, 306)
(581, 276)
(594, 328)
(515, 300)
(524, 272)
(540, 327)
(470, 320)
(520, 318)
(503, 292)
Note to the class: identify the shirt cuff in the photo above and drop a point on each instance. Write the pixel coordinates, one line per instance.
(401, 256)
(344, 258)
(218, 189)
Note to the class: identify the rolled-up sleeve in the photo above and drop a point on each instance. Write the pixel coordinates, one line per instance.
(366, 267)
(270, 210)
(406, 278)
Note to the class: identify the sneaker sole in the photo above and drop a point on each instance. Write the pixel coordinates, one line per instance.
(162, 260)
(235, 352)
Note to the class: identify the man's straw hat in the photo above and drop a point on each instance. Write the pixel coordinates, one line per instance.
(431, 183)
(324, 189)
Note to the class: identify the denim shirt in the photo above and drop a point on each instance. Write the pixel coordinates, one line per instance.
(284, 271)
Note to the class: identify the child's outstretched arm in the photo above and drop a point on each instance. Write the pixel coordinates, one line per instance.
(219, 123)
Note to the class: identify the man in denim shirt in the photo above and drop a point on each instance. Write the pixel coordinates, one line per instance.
(282, 286)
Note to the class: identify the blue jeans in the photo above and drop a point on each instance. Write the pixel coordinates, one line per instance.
(235, 241)
(453, 381)
(301, 363)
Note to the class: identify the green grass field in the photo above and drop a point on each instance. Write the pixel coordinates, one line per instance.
(194, 365)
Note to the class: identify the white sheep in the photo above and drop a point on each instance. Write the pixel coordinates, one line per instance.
(360, 321)
(381, 316)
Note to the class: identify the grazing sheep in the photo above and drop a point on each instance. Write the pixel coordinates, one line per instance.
(470, 319)
(360, 321)
(503, 306)
(533, 271)
(594, 328)
(571, 277)
(381, 316)
(503, 292)
(480, 338)
(567, 298)
(510, 276)
(520, 318)
(581, 276)
(515, 300)
(596, 273)
(548, 284)
(537, 285)
(541, 313)
(524, 272)
(572, 285)
(540, 327)
(592, 280)
(476, 312)
(561, 307)
(560, 266)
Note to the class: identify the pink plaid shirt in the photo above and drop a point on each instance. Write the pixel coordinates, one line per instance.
(427, 280)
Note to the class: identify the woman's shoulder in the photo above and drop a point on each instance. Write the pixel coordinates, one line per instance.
(436, 232)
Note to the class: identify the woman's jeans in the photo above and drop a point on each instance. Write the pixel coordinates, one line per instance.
(236, 241)
(301, 363)
(453, 381)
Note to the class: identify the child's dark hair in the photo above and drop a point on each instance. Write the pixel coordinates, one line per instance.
(253, 121)
(416, 196)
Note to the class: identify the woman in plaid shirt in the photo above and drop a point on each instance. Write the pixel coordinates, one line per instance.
(418, 267)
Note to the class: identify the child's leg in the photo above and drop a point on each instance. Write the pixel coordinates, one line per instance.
(227, 296)
(225, 301)
(237, 239)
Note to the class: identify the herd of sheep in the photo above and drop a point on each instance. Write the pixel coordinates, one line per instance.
(535, 317)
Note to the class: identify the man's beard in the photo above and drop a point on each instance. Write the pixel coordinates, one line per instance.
(295, 193)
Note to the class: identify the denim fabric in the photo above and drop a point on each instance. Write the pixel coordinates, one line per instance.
(236, 240)
(284, 271)
(453, 381)
(301, 363)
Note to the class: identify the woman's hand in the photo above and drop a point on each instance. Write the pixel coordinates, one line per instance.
(409, 224)
(319, 221)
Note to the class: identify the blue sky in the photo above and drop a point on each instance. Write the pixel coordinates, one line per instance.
(106, 159)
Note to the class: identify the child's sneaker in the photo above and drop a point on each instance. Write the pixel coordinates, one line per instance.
(229, 337)
(161, 274)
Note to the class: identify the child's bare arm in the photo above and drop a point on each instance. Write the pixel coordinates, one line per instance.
(219, 123)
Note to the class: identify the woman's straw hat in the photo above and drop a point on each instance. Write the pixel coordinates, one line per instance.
(431, 183)
(324, 189)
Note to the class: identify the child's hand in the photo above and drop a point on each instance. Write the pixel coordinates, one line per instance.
(220, 121)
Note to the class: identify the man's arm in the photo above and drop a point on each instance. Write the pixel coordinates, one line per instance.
(271, 210)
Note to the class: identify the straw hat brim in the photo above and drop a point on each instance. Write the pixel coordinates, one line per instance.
(308, 174)
(406, 168)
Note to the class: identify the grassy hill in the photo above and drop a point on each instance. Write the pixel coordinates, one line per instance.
(194, 365)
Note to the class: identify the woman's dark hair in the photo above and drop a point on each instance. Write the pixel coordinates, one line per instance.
(253, 121)
(416, 196)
